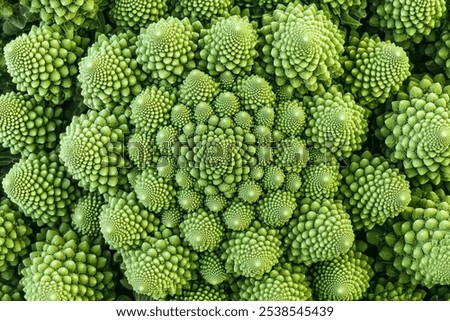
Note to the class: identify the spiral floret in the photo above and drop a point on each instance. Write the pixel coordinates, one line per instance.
(254, 92)
(202, 230)
(229, 45)
(160, 266)
(320, 231)
(154, 192)
(109, 74)
(70, 14)
(291, 118)
(345, 278)
(14, 236)
(93, 152)
(387, 64)
(197, 88)
(41, 188)
(373, 190)
(166, 48)
(43, 62)
(203, 10)
(249, 191)
(212, 268)
(337, 125)
(417, 130)
(86, 214)
(26, 125)
(67, 267)
(302, 47)
(137, 14)
(142, 150)
(218, 155)
(150, 110)
(238, 216)
(419, 241)
(321, 180)
(285, 282)
(253, 252)
(124, 222)
(408, 22)
(275, 209)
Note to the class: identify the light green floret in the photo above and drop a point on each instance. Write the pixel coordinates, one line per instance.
(172, 217)
(254, 92)
(161, 266)
(238, 216)
(202, 112)
(417, 130)
(165, 49)
(203, 292)
(302, 47)
(292, 183)
(215, 203)
(189, 199)
(321, 180)
(43, 62)
(41, 188)
(137, 14)
(124, 222)
(249, 191)
(345, 278)
(66, 267)
(218, 155)
(184, 179)
(226, 104)
(181, 115)
(229, 45)
(373, 190)
(212, 268)
(197, 88)
(154, 192)
(387, 64)
(150, 110)
(253, 252)
(291, 155)
(166, 139)
(291, 118)
(26, 125)
(406, 21)
(202, 230)
(273, 178)
(419, 244)
(320, 231)
(336, 125)
(227, 80)
(166, 167)
(244, 120)
(14, 236)
(384, 290)
(348, 12)
(110, 75)
(93, 151)
(70, 14)
(285, 282)
(86, 214)
(203, 10)
(276, 208)
(142, 150)
(265, 116)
